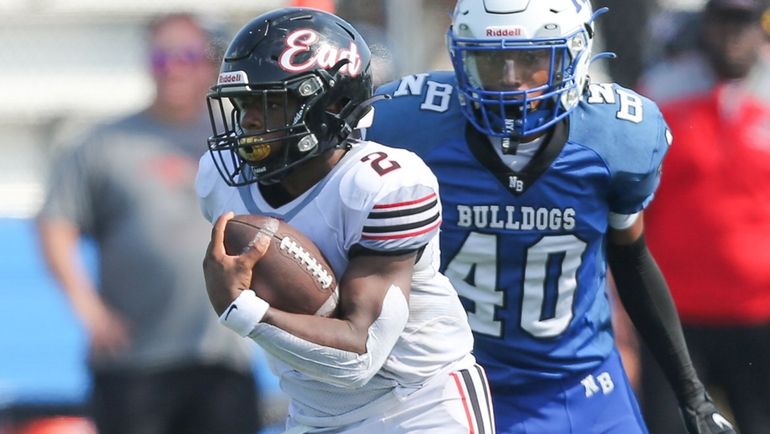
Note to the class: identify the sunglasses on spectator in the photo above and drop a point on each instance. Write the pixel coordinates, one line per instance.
(161, 58)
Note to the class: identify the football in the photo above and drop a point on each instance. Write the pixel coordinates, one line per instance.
(293, 276)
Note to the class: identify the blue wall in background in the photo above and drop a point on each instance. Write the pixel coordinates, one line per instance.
(42, 346)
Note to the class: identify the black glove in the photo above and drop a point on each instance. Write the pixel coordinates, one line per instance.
(702, 417)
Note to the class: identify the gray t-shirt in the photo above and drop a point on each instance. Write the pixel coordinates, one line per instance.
(130, 187)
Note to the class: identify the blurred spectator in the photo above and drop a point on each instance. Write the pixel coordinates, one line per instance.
(160, 361)
(709, 226)
(688, 63)
(680, 68)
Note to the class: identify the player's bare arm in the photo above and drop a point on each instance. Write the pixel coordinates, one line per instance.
(362, 292)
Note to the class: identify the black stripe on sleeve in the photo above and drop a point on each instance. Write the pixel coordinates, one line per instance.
(375, 214)
(399, 228)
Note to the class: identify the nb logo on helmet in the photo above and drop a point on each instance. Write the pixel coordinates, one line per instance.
(325, 55)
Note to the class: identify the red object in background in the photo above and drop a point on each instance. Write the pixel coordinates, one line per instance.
(324, 5)
(716, 177)
(53, 425)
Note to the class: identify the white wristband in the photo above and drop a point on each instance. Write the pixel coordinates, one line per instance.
(244, 313)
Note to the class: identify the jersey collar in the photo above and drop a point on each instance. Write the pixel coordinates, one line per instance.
(518, 182)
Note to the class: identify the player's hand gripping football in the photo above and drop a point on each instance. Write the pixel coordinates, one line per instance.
(702, 417)
(227, 276)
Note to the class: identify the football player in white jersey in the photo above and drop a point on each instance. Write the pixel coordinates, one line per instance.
(294, 86)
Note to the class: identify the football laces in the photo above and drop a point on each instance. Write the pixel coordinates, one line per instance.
(308, 261)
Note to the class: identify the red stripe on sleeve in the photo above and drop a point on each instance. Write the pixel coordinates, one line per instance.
(411, 202)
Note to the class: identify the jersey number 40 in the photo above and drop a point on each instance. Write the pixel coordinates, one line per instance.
(548, 285)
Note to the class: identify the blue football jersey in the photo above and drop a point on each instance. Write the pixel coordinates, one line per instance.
(526, 249)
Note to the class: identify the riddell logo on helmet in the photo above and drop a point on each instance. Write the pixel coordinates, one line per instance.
(325, 55)
(506, 31)
(232, 77)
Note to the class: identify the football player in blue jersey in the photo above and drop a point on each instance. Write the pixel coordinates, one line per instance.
(544, 178)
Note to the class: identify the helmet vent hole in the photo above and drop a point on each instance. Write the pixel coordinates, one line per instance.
(352, 35)
(301, 17)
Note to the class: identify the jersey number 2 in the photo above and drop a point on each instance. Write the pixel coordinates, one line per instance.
(380, 164)
(547, 288)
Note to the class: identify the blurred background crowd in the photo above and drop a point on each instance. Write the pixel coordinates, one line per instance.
(67, 66)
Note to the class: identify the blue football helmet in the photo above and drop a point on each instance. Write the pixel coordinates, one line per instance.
(521, 65)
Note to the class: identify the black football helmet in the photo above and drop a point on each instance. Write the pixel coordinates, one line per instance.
(308, 73)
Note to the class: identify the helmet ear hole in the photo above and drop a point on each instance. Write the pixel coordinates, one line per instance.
(338, 106)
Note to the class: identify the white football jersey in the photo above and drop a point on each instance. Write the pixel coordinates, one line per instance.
(384, 199)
